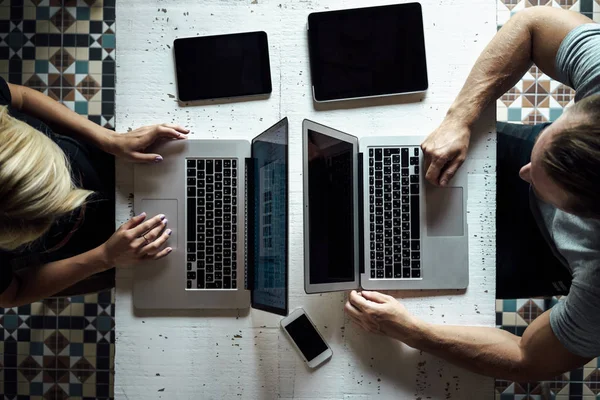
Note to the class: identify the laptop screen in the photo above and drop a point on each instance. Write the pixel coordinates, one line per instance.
(270, 156)
(331, 205)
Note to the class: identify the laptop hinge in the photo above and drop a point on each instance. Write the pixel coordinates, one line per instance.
(249, 232)
(361, 231)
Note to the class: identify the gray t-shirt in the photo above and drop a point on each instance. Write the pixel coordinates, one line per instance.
(575, 320)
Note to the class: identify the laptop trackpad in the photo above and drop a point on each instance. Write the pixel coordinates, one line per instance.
(154, 207)
(445, 213)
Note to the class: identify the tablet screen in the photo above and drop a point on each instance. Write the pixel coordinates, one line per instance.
(366, 52)
(210, 67)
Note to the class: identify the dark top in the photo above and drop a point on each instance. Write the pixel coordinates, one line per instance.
(83, 229)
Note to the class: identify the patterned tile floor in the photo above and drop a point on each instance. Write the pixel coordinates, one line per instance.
(536, 99)
(64, 348)
(60, 348)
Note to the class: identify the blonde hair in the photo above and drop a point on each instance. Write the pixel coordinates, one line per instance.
(35, 183)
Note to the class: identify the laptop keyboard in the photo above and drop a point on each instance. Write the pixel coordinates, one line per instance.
(212, 214)
(394, 229)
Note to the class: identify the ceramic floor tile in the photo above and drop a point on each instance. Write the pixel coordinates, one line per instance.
(62, 48)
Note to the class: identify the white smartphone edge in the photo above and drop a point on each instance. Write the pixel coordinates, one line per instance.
(318, 360)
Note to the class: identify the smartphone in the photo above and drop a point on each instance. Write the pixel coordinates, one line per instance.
(306, 339)
(222, 66)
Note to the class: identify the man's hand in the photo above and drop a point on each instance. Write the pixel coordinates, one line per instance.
(131, 145)
(379, 313)
(445, 150)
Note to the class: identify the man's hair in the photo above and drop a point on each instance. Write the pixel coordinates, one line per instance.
(572, 158)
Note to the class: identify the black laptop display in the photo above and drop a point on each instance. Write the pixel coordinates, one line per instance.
(268, 247)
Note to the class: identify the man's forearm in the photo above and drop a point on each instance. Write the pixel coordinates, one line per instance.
(487, 351)
(503, 62)
(40, 282)
(59, 117)
(531, 36)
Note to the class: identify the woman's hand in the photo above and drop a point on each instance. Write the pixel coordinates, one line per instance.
(131, 145)
(445, 149)
(137, 240)
(379, 313)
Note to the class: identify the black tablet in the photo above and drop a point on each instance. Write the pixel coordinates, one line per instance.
(233, 65)
(367, 52)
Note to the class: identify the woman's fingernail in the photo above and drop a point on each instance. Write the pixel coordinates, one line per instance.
(444, 182)
(162, 216)
(169, 250)
(165, 221)
(142, 214)
(158, 159)
(169, 232)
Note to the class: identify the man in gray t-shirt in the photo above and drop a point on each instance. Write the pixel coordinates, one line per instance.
(548, 234)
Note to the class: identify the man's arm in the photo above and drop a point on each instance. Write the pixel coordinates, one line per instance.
(536, 356)
(59, 117)
(531, 36)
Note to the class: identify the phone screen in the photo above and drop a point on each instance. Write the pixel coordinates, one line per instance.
(210, 67)
(306, 337)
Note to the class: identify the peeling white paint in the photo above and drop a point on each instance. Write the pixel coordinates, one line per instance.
(243, 355)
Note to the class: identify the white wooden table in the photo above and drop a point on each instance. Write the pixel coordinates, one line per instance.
(211, 355)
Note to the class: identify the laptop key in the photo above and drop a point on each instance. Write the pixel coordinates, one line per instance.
(406, 272)
(404, 158)
(389, 273)
(416, 265)
(416, 273)
(189, 284)
(415, 245)
(226, 282)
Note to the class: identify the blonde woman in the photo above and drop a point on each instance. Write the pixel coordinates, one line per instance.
(57, 197)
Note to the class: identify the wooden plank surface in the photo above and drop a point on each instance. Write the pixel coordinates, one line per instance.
(244, 355)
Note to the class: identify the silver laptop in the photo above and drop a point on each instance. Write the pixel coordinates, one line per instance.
(226, 202)
(372, 221)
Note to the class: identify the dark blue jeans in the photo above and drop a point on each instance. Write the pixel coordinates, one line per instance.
(525, 264)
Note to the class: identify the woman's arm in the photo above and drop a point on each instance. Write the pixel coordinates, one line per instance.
(33, 284)
(130, 146)
(59, 117)
(134, 241)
